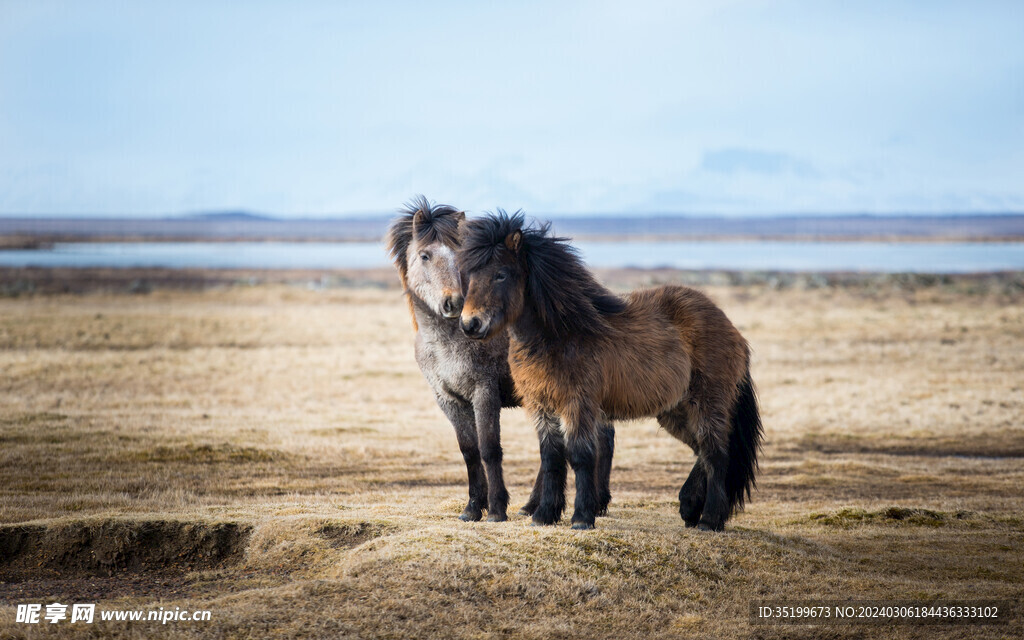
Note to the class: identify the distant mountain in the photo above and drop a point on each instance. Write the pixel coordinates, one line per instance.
(226, 216)
(243, 225)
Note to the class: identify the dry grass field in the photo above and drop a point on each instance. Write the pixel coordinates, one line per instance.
(272, 454)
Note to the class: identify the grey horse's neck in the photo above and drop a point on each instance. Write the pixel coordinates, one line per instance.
(432, 322)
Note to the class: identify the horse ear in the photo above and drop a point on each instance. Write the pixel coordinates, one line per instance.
(460, 223)
(514, 240)
(418, 220)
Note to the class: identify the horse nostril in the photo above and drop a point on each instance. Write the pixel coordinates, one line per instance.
(451, 306)
(470, 328)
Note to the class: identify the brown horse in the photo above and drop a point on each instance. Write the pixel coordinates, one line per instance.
(580, 353)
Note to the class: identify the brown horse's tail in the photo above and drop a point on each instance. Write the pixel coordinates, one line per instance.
(744, 443)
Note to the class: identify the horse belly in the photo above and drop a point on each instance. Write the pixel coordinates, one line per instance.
(645, 388)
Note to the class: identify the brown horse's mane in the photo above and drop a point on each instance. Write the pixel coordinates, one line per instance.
(560, 290)
(438, 223)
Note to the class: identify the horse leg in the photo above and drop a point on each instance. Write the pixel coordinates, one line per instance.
(691, 495)
(581, 448)
(538, 488)
(605, 450)
(693, 491)
(460, 414)
(713, 457)
(487, 411)
(551, 501)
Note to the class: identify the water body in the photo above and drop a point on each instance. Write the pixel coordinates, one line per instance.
(891, 257)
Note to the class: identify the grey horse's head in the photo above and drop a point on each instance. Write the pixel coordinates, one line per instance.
(422, 242)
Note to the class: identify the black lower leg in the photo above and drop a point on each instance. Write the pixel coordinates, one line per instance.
(487, 414)
(534, 500)
(497, 496)
(552, 471)
(605, 451)
(583, 460)
(716, 502)
(477, 486)
(691, 495)
(461, 416)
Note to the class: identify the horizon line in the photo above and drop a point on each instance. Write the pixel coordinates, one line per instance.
(244, 214)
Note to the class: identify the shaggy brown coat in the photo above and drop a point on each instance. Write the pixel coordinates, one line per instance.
(582, 354)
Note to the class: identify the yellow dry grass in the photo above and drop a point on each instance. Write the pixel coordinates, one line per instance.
(892, 471)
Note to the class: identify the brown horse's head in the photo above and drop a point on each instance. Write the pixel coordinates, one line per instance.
(494, 277)
(422, 242)
(510, 269)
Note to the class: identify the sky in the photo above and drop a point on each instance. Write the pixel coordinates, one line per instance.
(317, 109)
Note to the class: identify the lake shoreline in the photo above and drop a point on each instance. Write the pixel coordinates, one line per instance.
(18, 281)
(47, 241)
(782, 256)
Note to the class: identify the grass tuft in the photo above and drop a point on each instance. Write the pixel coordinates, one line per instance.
(849, 517)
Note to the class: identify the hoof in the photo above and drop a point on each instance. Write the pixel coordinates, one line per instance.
(471, 516)
(691, 512)
(582, 526)
(704, 526)
(534, 523)
(690, 516)
(546, 516)
(497, 517)
(526, 511)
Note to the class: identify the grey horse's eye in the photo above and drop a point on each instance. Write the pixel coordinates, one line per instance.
(424, 256)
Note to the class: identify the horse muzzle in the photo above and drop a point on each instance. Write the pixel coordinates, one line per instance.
(451, 306)
(473, 327)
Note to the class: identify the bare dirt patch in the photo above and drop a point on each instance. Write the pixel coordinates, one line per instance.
(345, 535)
(107, 547)
(851, 517)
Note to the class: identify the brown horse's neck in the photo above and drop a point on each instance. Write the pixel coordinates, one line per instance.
(583, 313)
(526, 330)
(534, 337)
(564, 297)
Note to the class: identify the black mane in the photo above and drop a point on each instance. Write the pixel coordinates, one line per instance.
(438, 223)
(559, 288)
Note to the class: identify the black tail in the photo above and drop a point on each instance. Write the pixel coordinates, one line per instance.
(744, 443)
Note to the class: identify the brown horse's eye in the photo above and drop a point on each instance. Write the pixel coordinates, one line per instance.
(424, 256)
(501, 275)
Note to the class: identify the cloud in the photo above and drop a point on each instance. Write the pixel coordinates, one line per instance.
(342, 108)
(734, 161)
